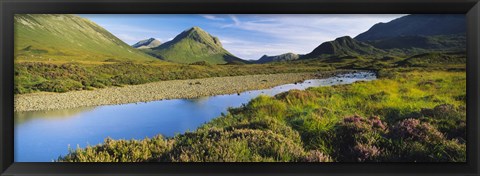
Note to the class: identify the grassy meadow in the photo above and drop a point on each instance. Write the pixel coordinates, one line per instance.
(414, 112)
(63, 77)
(407, 115)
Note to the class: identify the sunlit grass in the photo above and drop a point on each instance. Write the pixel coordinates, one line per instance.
(408, 116)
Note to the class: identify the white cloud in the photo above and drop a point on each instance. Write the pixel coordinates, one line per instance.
(298, 33)
(213, 17)
(129, 38)
(253, 50)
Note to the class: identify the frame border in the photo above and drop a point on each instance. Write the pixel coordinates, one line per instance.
(10, 7)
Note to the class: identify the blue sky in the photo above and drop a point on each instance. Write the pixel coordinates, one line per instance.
(246, 36)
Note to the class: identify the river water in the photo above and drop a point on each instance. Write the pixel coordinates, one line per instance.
(42, 136)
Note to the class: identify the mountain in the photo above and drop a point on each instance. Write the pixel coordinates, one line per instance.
(416, 25)
(453, 41)
(50, 37)
(279, 58)
(147, 43)
(343, 46)
(194, 45)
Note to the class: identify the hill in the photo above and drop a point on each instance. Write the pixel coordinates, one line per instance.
(67, 38)
(343, 46)
(443, 42)
(416, 25)
(147, 43)
(278, 58)
(194, 45)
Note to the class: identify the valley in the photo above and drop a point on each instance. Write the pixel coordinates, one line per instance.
(174, 89)
(395, 92)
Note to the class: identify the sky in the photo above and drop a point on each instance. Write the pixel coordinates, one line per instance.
(247, 36)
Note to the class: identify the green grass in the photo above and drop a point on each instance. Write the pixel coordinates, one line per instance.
(404, 116)
(63, 77)
(67, 38)
(194, 45)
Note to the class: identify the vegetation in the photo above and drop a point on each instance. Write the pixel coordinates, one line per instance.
(67, 38)
(50, 77)
(406, 115)
(194, 45)
(414, 112)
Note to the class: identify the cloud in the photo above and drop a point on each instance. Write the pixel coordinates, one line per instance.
(213, 17)
(127, 38)
(298, 33)
(253, 50)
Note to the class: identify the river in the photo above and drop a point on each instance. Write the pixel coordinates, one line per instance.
(42, 136)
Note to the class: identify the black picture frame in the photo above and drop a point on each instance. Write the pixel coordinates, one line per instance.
(10, 7)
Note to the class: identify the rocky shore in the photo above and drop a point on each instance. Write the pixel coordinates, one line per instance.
(158, 90)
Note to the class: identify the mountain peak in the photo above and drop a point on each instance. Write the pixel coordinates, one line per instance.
(416, 25)
(147, 43)
(344, 38)
(279, 58)
(198, 34)
(193, 45)
(196, 28)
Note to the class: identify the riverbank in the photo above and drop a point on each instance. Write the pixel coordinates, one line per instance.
(174, 89)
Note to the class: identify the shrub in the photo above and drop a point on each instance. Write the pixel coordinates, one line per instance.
(357, 138)
(119, 151)
(416, 141)
(234, 146)
(316, 156)
(413, 129)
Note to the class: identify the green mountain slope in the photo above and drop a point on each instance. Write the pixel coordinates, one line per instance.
(194, 45)
(66, 38)
(416, 25)
(279, 58)
(343, 46)
(449, 42)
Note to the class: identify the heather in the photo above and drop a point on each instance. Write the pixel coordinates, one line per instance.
(404, 116)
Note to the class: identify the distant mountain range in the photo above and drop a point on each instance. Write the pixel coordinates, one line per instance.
(420, 31)
(147, 43)
(73, 38)
(64, 37)
(194, 45)
(416, 25)
(278, 58)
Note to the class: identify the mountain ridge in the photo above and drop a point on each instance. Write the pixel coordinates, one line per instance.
(147, 43)
(194, 45)
(416, 25)
(343, 46)
(278, 58)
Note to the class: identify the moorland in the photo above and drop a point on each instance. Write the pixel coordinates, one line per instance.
(413, 112)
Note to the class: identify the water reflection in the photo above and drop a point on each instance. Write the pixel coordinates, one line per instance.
(43, 136)
(22, 117)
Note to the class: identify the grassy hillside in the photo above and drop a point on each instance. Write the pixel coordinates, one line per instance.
(416, 25)
(194, 45)
(67, 38)
(438, 42)
(412, 116)
(343, 46)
